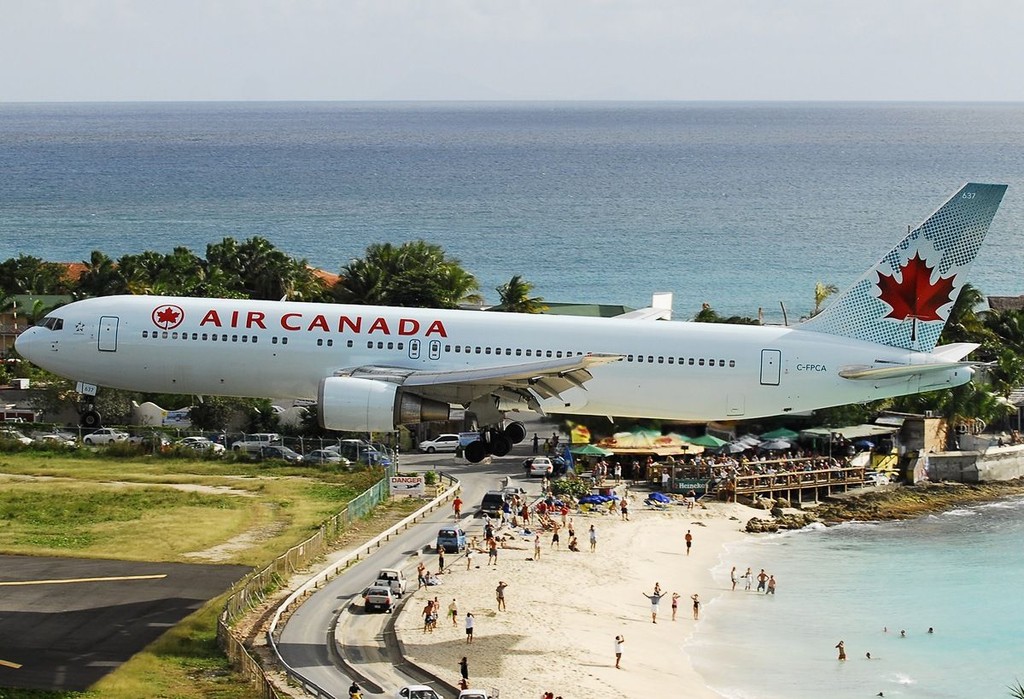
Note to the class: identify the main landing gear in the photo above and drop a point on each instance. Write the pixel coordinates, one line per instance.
(495, 440)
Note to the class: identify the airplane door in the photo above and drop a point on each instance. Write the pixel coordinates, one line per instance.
(414, 349)
(107, 340)
(771, 367)
(434, 349)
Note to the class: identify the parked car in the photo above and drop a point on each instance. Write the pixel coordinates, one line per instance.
(255, 442)
(358, 450)
(539, 466)
(201, 444)
(492, 503)
(280, 453)
(105, 435)
(451, 539)
(443, 442)
(153, 439)
(14, 436)
(325, 456)
(417, 691)
(60, 439)
(378, 597)
(394, 578)
(474, 694)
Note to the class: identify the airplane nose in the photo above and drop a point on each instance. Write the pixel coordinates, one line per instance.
(27, 343)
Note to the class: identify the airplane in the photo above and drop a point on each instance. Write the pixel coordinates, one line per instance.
(373, 368)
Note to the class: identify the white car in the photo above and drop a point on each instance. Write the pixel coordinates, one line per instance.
(394, 578)
(255, 442)
(540, 466)
(444, 442)
(201, 444)
(417, 691)
(105, 435)
(14, 435)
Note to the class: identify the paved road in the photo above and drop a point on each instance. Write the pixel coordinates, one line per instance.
(304, 641)
(67, 622)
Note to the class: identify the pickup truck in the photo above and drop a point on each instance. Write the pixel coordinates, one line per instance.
(393, 578)
(255, 442)
(105, 435)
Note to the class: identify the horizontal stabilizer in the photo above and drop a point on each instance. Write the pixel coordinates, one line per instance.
(862, 373)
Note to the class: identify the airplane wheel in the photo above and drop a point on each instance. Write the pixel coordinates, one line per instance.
(515, 432)
(500, 444)
(91, 418)
(475, 452)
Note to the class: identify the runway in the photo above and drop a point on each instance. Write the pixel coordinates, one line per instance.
(67, 622)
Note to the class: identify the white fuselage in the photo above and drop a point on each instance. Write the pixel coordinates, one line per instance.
(669, 370)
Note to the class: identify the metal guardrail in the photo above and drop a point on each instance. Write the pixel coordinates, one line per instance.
(325, 576)
(261, 583)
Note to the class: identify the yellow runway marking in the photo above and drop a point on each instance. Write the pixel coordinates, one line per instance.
(8, 663)
(83, 580)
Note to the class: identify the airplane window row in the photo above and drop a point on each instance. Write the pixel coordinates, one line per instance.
(690, 361)
(208, 337)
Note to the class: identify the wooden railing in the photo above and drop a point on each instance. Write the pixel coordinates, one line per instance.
(760, 483)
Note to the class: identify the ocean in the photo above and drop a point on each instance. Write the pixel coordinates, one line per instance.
(742, 206)
(958, 572)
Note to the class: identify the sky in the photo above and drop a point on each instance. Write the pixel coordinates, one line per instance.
(174, 50)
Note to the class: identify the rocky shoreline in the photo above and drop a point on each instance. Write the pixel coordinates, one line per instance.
(901, 502)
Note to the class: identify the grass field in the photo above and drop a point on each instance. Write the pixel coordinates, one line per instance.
(158, 509)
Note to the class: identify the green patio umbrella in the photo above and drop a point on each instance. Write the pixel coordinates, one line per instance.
(781, 433)
(591, 450)
(708, 440)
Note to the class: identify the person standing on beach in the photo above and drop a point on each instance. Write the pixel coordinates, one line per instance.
(593, 539)
(421, 575)
(655, 600)
(689, 541)
(464, 669)
(499, 592)
(536, 547)
(624, 509)
(453, 612)
(492, 551)
(748, 579)
(842, 650)
(440, 560)
(675, 604)
(732, 577)
(470, 622)
(469, 558)
(696, 605)
(762, 578)
(619, 640)
(554, 536)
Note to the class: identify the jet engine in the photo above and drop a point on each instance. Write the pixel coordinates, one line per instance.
(365, 405)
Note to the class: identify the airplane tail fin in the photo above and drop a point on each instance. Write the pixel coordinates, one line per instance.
(905, 299)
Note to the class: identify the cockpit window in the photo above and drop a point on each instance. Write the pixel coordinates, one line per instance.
(52, 323)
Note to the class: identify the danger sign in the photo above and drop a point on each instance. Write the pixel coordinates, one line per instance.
(407, 485)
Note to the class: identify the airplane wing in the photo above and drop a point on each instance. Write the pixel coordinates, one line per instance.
(525, 382)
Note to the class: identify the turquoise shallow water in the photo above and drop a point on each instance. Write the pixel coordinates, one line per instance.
(739, 205)
(959, 572)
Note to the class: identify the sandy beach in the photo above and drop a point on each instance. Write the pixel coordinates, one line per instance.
(564, 611)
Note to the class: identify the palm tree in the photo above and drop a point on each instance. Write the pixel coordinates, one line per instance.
(416, 273)
(515, 297)
(821, 292)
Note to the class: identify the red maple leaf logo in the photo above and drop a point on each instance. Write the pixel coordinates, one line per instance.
(915, 296)
(168, 317)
